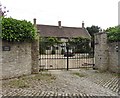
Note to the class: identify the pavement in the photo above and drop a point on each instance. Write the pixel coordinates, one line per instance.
(75, 82)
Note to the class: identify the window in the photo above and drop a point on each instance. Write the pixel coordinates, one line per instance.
(62, 46)
(56, 48)
(48, 48)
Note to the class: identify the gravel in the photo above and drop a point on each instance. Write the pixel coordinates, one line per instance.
(66, 82)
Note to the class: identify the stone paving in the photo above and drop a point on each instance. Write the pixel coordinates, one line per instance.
(65, 83)
(105, 79)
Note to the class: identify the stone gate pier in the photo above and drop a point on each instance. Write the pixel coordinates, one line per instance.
(107, 54)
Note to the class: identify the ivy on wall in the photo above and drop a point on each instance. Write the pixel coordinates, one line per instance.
(81, 44)
(47, 42)
(17, 30)
(78, 44)
(113, 33)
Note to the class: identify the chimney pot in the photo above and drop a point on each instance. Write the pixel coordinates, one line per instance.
(83, 24)
(34, 21)
(59, 24)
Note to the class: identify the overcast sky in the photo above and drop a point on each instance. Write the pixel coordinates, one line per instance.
(103, 13)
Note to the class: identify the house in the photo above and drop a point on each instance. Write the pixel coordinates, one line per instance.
(62, 32)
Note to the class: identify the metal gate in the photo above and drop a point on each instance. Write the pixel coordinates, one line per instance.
(67, 55)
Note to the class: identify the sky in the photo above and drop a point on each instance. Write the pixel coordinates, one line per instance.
(102, 13)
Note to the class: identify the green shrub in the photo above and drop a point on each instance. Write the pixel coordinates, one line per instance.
(53, 51)
(41, 50)
(17, 30)
(62, 51)
(113, 33)
(81, 44)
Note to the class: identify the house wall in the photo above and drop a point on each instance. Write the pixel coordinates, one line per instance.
(58, 51)
(64, 39)
(17, 61)
(48, 51)
(106, 56)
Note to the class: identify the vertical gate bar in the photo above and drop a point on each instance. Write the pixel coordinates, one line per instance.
(40, 56)
(93, 60)
(46, 59)
(76, 59)
(57, 58)
(86, 59)
(51, 59)
(67, 58)
(64, 56)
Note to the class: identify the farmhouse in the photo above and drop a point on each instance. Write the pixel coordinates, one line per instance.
(63, 33)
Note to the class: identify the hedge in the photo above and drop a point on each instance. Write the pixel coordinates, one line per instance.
(113, 33)
(17, 30)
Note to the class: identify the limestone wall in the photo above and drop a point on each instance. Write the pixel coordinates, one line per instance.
(113, 57)
(101, 51)
(17, 61)
(106, 56)
(35, 56)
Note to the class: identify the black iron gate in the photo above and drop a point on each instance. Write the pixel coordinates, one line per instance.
(67, 55)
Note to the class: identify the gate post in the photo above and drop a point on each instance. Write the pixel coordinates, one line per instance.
(35, 56)
(35, 53)
(101, 52)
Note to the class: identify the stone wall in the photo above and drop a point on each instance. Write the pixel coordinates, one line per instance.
(106, 55)
(35, 56)
(113, 57)
(17, 61)
(101, 51)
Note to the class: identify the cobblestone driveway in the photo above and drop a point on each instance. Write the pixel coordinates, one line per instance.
(84, 82)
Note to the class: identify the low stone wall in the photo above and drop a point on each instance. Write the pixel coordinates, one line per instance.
(17, 60)
(106, 54)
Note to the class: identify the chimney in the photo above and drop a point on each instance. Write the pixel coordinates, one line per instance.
(83, 24)
(59, 24)
(34, 21)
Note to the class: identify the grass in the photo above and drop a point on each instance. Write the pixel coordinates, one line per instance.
(107, 72)
(18, 83)
(79, 74)
(25, 81)
(85, 68)
(116, 74)
(44, 76)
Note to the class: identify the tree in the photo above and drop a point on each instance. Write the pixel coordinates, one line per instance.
(92, 30)
(113, 33)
